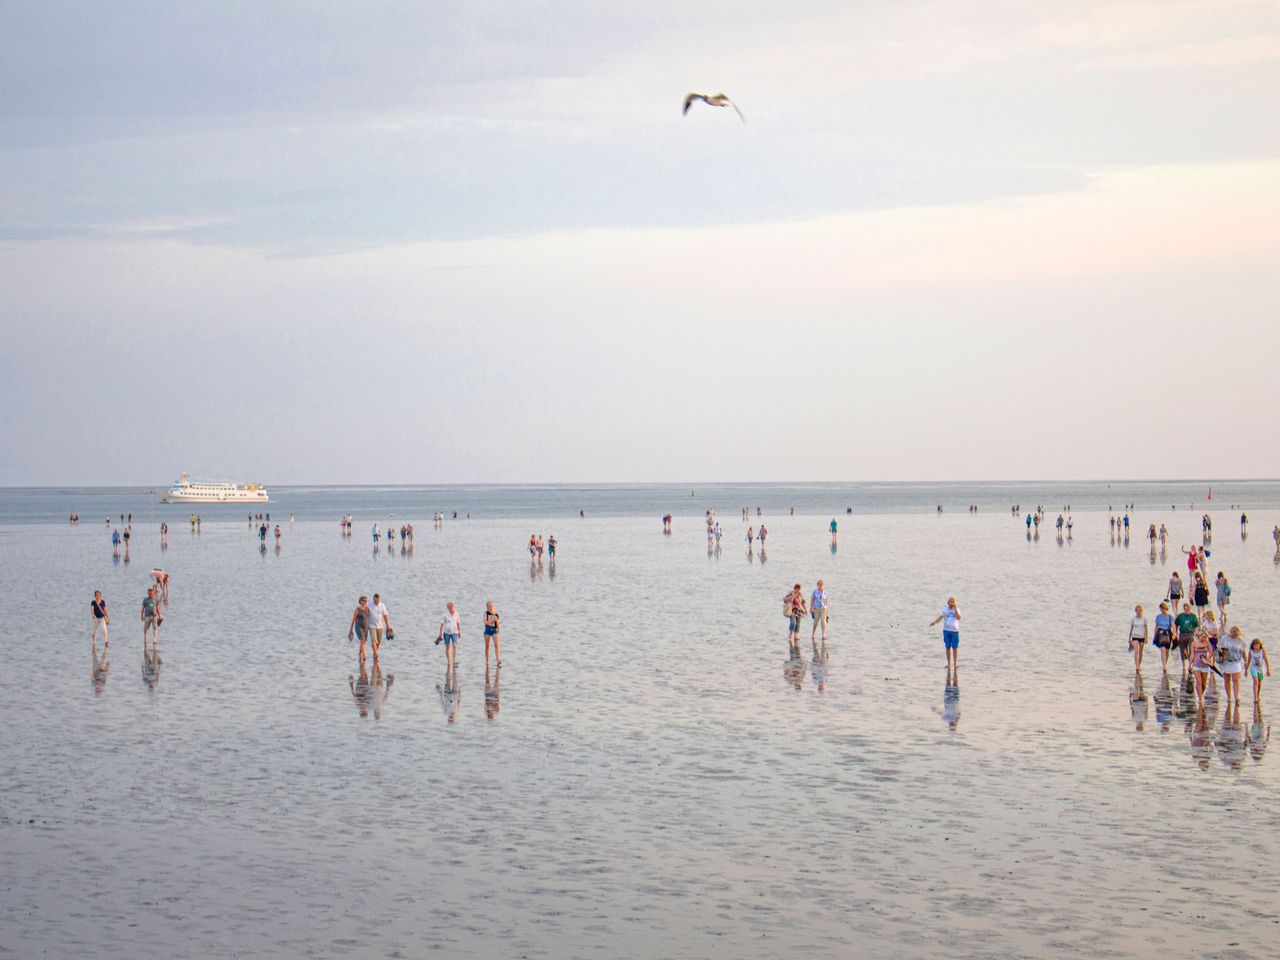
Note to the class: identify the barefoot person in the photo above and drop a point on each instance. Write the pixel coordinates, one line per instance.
(793, 608)
(100, 617)
(950, 618)
(1187, 623)
(1164, 635)
(1201, 654)
(818, 611)
(360, 623)
(450, 631)
(150, 616)
(1258, 663)
(1231, 655)
(1137, 637)
(379, 623)
(492, 628)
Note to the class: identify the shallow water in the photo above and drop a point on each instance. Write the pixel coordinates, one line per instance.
(657, 779)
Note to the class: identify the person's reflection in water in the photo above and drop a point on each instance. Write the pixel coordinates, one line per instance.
(551, 568)
(101, 665)
(834, 548)
(370, 691)
(151, 667)
(1200, 734)
(1231, 737)
(262, 549)
(450, 695)
(1259, 734)
(818, 669)
(1164, 703)
(1138, 702)
(1186, 700)
(126, 553)
(361, 690)
(492, 694)
(763, 556)
(1152, 556)
(951, 700)
(793, 669)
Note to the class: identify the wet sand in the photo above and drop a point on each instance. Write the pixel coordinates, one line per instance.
(658, 779)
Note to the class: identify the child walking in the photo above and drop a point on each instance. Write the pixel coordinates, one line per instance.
(1258, 663)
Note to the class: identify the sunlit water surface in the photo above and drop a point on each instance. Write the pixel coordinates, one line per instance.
(649, 775)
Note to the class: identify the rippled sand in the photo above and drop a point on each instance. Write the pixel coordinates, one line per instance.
(649, 776)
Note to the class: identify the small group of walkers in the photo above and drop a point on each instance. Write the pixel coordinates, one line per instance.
(818, 608)
(537, 546)
(371, 624)
(1186, 623)
(150, 612)
(795, 608)
(406, 533)
(1203, 650)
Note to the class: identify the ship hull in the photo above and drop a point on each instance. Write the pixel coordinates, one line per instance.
(174, 496)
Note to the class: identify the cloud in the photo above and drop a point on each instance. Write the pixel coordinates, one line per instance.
(1234, 52)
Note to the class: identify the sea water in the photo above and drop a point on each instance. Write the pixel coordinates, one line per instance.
(650, 774)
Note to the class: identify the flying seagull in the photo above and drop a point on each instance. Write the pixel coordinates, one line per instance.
(716, 100)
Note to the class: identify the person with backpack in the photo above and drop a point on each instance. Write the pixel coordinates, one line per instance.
(1223, 588)
(794, 609)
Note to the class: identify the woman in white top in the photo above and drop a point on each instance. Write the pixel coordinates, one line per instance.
(1231, 654)
(1138, 637)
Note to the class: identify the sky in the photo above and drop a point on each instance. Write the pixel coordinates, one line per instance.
(454, 243)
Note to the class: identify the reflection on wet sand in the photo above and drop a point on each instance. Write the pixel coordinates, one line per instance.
(1259, 734)
(101, 665)
(818, 668)
(793, 668)
(450, 692)
(492, 694)
(370, 691)
(151, 667)
(951, 699)
(1231, 739)
(1165, 703)
(1138, 703)
(1200, 734)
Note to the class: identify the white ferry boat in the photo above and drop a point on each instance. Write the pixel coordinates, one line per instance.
(214, 491)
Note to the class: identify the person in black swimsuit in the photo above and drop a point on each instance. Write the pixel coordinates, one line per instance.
(492, 629)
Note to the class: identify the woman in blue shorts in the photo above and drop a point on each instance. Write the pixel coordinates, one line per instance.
(950, 617)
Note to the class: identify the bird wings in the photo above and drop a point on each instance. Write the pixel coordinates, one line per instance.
(719, 100)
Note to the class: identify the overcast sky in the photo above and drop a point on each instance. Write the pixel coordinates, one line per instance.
(393, 243)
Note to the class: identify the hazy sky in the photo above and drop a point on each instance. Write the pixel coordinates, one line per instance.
(417, 242)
